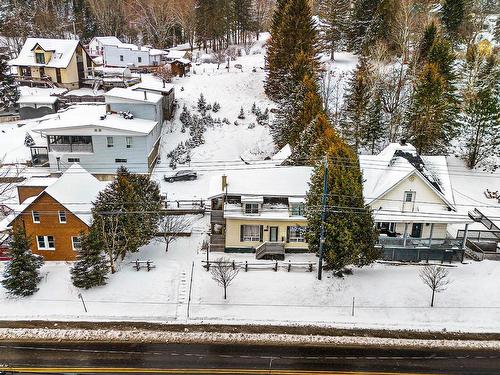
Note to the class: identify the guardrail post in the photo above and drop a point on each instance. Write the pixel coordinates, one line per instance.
(246, 265)
(234, 266)
(289, 265)
(276, 266)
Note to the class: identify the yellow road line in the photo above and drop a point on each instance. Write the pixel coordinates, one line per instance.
(189, 371)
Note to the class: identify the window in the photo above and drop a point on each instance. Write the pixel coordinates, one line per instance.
(109, 141)
(120, 160)
(385, 226)
(297, 209)
(73, 160)
(62, 217)
(36, 216)
(129, 141)
(251, 208)
(409, 196)
(40, 58)
(45, 242)
(121, 57)
(76, 241)
(296, 234)
(139, 59)
(250, 233)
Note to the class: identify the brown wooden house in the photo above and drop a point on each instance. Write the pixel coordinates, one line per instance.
(55, 215)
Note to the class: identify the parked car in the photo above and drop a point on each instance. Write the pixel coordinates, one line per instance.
(185, 175)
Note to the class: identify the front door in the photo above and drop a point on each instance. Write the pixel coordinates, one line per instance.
(273, 234)
(416, 230)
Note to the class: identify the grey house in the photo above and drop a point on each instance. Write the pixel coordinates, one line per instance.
(125, 131)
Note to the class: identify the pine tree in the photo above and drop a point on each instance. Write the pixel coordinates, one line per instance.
(295, 35)
(428, 38)
(334, 20)
(454, 16)
(375, 131)
(28, 140)
(497, 31)
(310, 145)
(349, 228)
(8, 87)
(91, 268)
(362, 15)
(241, 115)
(126, 214)
(356, 101)
(21, 275)
(202, 103)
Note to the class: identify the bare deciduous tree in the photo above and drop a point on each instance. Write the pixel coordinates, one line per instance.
(164, 72)
(185, 13)
(262, 12)
(171, 226)
(223, 273)
(436, 278)
(10, 176)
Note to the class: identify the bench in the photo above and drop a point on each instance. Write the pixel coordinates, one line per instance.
(138, 264)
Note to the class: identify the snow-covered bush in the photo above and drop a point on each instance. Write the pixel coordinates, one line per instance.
(241, 116)
(216, 107)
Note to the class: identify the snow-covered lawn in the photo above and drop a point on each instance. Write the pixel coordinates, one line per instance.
(386, 296)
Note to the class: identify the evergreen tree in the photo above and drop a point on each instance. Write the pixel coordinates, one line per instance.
(454, 16)
(375, 130)
(202, 103)
(362, 15)
(428, 38)
(28, 140)
(334, 20)
(21, 275)
(296, 35)
(91, 268)
(349, 228)
(480, 116)
(497, 31)
(427, 118)
(356, 101)
(126, 214)
(8, 87)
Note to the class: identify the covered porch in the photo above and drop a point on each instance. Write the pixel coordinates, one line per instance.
(416, 236)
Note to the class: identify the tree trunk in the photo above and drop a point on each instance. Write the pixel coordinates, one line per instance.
(112, 263)
(432, 299)
(225, 294)
(166, 245)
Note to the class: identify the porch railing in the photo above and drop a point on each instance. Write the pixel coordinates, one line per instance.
(71, 147)
(437, 243)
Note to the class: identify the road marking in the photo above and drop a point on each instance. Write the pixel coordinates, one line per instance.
(85, 370)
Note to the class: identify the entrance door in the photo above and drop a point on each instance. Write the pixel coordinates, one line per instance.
(416, 230)
(58, 75)
(273, 234)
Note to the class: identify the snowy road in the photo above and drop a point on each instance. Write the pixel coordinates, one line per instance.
(240, 359)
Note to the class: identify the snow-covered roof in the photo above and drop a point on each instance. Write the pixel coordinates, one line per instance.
(153, 86)
(282, 154)
(156, 52)
(38, 181)
(266, 181)
(85, 119)
(175, 54)
(62, 52)
(76, 189)
(107, 40)
(37, 99)
(122, 93)
(450, 217)
(396, 162)
(183, 61)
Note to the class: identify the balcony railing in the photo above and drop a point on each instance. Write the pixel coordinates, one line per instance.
(72, 147)
(434, 243)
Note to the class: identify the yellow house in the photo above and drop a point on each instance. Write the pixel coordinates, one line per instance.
(260, 210)
(63, 62)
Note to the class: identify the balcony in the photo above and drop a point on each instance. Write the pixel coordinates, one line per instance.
(415, 243)
(71, 147)
(65, 143)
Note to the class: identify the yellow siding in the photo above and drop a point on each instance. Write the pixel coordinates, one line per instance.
(233, 232)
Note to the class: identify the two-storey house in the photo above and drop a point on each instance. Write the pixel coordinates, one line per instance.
(125, 131)
(55, 211)
(61, 61)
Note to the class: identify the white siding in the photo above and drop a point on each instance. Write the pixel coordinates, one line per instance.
(130, 57)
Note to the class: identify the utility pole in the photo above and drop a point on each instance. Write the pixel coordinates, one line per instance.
(323, 216)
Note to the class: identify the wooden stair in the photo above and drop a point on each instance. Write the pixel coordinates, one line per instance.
(270, 250)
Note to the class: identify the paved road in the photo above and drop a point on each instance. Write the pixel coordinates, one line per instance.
(239, 359)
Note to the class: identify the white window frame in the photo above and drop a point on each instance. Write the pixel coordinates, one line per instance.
(297, 209)
(301, 237)
(250, 237)
(33, 217)
(129, 141)
(61, 217)
(252, 207)
(110, 144)
(46, 245)
(79, 240)
(409, 193)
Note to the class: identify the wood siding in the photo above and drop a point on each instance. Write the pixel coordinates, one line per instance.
(25, 192)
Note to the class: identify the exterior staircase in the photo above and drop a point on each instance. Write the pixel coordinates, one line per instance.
(479, 217)
(270, 250)
(473, 251)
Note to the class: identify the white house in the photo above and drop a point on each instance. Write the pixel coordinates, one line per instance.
(125, 131)
(96, 45)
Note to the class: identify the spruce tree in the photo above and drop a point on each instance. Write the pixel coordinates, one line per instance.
(21, 275)
(362, 15)
(428, 38)
(454, 16)
(91, 268)
(375, 131)
(8, 87)
(334, 20)
(497, 31)
(356, 101)
(350, 233)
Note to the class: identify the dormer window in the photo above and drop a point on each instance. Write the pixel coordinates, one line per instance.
(40, 57)
(251, 204)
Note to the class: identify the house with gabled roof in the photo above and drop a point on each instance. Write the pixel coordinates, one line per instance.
(55, 211)
(62, 62)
